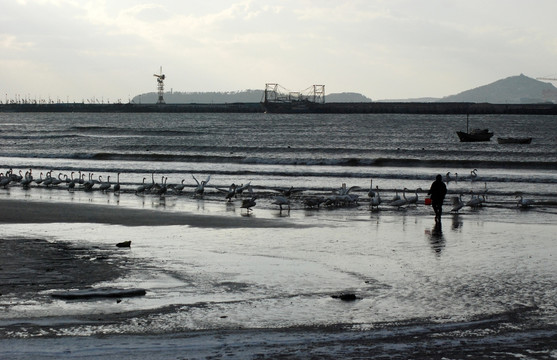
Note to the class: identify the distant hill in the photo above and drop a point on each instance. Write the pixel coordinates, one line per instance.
(245, 96)
(519, 89)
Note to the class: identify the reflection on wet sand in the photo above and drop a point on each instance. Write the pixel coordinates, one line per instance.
(457, 222)
(436, 238)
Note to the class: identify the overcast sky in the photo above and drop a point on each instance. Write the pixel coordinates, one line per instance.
(392, 49)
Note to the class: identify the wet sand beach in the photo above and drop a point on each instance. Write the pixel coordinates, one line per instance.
(221, 284)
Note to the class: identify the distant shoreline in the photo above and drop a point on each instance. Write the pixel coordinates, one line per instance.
(295, 107)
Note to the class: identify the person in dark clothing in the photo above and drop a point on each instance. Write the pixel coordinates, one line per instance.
(437, 191)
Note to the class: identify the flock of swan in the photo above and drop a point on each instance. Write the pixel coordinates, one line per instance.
(342, 197)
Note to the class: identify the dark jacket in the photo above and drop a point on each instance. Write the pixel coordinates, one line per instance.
(437, 191)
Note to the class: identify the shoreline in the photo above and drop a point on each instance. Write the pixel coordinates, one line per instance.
(295, 107)
(15, 211)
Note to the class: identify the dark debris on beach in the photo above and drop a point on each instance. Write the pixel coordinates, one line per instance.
(30, 266)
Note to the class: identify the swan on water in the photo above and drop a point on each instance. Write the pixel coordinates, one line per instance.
(395, 197)
(200, 189)
(141, 188)
(400, 202)
(26, 181)
(475, 201)
(457, 203)
(104, 185)
(5, 180)
(116, 186)
(178, 187)
(414, 199)
(162, 188)
(230, 192)
(449, 178)
(371, 193)
(474, 175)
(313, 202)
(40, 180)
(524, 203)
(280, 201)
(376, 199)
(240, 189)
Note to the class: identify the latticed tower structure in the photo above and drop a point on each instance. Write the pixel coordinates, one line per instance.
(160, 86)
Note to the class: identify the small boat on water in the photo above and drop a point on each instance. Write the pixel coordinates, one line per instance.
(514, 140)
(474, 135)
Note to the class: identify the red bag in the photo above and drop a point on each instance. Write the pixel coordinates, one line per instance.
(427, 201)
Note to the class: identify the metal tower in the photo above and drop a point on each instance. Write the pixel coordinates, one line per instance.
(160, 86)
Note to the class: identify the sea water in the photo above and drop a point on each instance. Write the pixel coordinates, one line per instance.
(484, 262)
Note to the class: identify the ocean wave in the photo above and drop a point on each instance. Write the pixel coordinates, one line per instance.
(344, 162)
(37, 137)
(85, 130)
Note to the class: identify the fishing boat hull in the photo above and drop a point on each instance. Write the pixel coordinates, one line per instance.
(512, 140)
(474, 135)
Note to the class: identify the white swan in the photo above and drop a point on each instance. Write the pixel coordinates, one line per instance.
(280, 201)
(116, 187)
(396, 196)
(457, 203)
(400, 202)
(240, 189)
(179, 187)
(248, 203)
(163, 188)
(141, 188)
(26, 181)
(376, 199)
(5, 180)
(475, 201)
(371, 193)
(40, 180)
(200, 189)
(474, 175)
(448, 177)
(104, 185)
(413, 199)
(230, 193)
(524, 203)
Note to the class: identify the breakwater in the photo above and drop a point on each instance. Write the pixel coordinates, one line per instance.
(294, 107)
